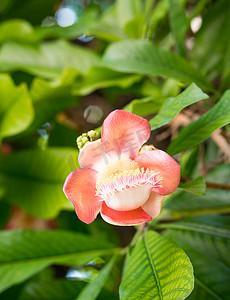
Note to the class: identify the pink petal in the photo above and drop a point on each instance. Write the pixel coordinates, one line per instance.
(124, 218)
(93, 156)
(163, 163)
(153, 205)
(124, 133)
(79, 188)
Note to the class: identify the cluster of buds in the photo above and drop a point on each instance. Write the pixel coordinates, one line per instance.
(86, 138)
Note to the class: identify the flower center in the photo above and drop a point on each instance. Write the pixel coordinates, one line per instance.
(127, 189)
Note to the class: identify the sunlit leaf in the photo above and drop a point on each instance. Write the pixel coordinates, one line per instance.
(16, 110)
(159, 269)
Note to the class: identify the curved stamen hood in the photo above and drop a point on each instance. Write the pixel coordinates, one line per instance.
(128, 189)
(123, 180)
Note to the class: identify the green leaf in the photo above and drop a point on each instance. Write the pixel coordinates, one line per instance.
(209, 235)
(107, 28)
(172, 106)
(24, 252)
(102, 77)
(184, 204)
(85, 21)
(92, 290)
(52, 289)
(197, 131)
(225, 80)
(127, 10)
(211, 276)
(156, 269)
(16, 110)
(142, 107)
(34, 179)
(196, 186)
(200, 293)
(206, 240)
(221, 174)
(211, 47)
(179, 23)
(50, 97)
(47, 60)
(145, 57)
(189, 161)
(16, 30)
(135, 27)
(158, 13)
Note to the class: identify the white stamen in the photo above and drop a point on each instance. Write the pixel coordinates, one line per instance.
(127, 189)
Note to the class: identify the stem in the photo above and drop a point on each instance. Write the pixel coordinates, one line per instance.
(136, 237)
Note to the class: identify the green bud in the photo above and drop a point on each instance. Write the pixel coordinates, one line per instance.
(93, 135)
(86, 138)
(82, 141)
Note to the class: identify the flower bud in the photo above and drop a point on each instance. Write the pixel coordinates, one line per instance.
(86, 138)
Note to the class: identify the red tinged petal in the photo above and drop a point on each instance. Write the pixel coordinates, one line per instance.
(124, 133)
(79, 188)
(124, 218)
(153, 205)
(161, 162)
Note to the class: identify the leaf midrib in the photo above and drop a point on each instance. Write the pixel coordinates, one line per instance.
(153, 267)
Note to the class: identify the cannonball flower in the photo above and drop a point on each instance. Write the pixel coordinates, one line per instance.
(118, 179)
